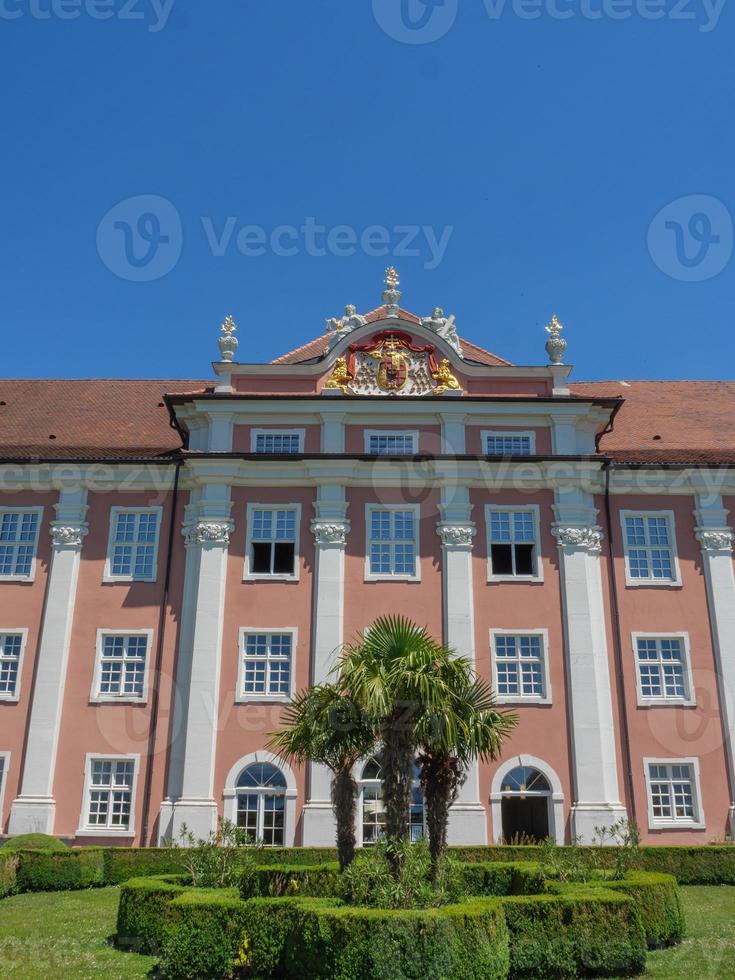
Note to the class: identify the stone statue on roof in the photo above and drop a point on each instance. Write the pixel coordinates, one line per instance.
(444, 327)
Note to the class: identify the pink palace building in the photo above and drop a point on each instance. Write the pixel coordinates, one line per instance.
(178, 558)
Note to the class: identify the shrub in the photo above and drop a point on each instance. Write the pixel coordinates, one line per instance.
(218, 860)
(8, 868)
(123, 863)
(284, 880)
(49, 871)
(202, 933)
(34, 842)
(657, 899)
(142, 914)
(579, 931)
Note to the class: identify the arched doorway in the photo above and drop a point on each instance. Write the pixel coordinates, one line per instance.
(525, 804)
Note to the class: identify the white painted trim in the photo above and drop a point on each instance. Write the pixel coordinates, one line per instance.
(240, 696)
(85, 829)
(21, 631)
(520, 698)
(656, 823)
(229, 793)
(369, 433)
(5, 756)
(416, 577)
(31, 577)
(254, 433)
(508, 434)
(555, 798)
(648, 582)
(95, 697)
(665, 702)
(536, 511)
(114, 511)
(249, 576)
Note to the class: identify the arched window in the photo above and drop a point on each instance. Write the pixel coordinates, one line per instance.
(525, 806)
(261, 803)
(525, 781)
(373, 806)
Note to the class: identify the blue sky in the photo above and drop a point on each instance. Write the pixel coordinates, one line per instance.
(535, 156)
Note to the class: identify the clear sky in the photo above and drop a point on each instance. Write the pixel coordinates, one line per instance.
(513, 158)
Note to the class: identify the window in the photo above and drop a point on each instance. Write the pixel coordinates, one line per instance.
(266, 660)
(133, 545)
(373, 806)
(673, 792)
(273, 535)
(11, 653)
(663, 669)
(261, 803)
(110, 794)
(18, 540)
(520, 666)
(392, 535)
(509, 443)
(284, 441)
(513, 543)
(649, 541)
(391, 443)
(121, 669)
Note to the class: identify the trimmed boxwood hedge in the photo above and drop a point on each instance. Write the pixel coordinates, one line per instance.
(657, 898)
(8, 873)
(48, 871)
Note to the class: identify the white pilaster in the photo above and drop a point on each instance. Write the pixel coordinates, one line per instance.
(207, 528)
(579, 539)
(330, 528)
(467, 817)
(716, 539)
(333, 433)
(33, 810)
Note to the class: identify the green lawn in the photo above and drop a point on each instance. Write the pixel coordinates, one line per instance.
(66, 934)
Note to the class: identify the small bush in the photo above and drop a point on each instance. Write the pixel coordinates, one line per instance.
(34, 842)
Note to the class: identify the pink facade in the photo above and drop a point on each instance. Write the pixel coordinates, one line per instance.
(161, 603)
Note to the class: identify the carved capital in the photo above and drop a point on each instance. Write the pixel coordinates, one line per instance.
(330, 532)
(576, 536)
(457, 535)
(715, 538)
(65, 534)
(207, 532)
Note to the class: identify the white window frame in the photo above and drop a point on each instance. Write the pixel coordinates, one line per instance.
(5, 757)
(114, 512)
(254, 433)
(245, 631)
(535, 510)
(249, 576)
(382, 576)
(31, 576)
(651, 582)
(645, 701)
(94, 830)
(545, 698)
(658, 823)
(403, 433)
(524, 434)
(230, 791)
(96, 697)
(21, 631)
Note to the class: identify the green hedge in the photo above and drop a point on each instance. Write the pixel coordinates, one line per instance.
(48, 871)
(584, 931)
(122, 863)
(8, 873)
(285, 880)
(34, 842)
(657, 899)
(142, 913)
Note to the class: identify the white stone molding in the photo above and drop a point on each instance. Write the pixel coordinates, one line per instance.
(330, 527)
(597, 795)
(587, 538)
(207, 529)
(716, 539)
(555, 802)
(467, 818)
(33, 810)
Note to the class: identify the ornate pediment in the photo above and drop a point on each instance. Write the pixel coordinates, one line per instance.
(390, 363)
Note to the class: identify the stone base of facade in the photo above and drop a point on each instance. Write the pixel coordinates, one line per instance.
(467, 824)
(319, 827)
(586, 817)
(32, 815)
(200, 817)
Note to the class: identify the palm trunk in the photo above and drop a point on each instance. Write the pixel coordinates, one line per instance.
(440, 779)
(397, 760)
(344, 802)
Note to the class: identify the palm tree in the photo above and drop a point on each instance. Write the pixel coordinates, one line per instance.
(468, 726)
(325, 726)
